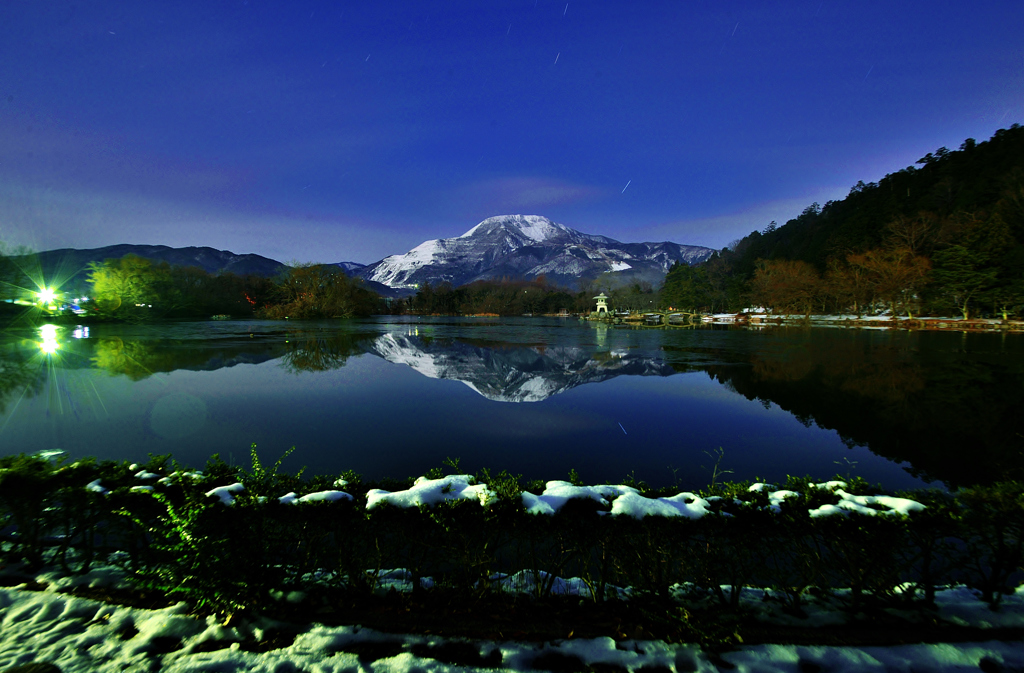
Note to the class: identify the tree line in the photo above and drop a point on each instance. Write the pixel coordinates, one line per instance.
(504, 297)
(512, 297)
(946, 237)
(133, 287)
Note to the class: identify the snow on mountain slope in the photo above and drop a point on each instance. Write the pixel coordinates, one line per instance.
(349, 267)
(532, 227)
(393, 270)
(526, 246)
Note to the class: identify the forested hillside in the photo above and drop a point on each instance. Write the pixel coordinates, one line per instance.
(944, 236)
(134, 288)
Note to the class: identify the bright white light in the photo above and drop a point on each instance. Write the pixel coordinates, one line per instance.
(49, 344)
(47, 295)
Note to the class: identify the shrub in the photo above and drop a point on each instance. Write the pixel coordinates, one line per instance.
(992, 527)
(232, 558)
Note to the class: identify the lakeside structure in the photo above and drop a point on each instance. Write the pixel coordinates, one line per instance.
(761, 318)
(870, 322)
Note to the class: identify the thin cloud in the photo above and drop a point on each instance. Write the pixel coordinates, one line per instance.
(48, 218)
(519, 194)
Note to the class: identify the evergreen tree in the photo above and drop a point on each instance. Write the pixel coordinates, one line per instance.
(961, 274)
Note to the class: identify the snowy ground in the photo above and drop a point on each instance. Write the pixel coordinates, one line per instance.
(79, 635)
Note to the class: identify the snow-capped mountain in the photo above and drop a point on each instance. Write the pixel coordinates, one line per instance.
(514, 373)
(350, 268)
(524, 247)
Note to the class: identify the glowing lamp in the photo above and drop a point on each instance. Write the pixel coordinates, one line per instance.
(47, 295)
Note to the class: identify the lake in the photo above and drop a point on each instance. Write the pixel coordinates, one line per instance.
(394, 397)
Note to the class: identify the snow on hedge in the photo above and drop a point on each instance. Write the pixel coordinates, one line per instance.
(557, 493)
(685, 504)
(178, 476)
(96, 487)
(319, 496)
(863, 504)
(226, 493)
(430, 492)
(526, 582)
(623, 500)
(620, 500)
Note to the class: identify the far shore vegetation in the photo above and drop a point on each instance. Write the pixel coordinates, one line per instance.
(942, 238)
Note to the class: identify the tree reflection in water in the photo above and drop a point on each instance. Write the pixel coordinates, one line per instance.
(138, 359)
(133, 359)
(22, 374)
(320, 350)
(955, 414)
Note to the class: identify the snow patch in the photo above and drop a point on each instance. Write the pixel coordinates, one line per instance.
(635, 505)
(81, 635)
(528, 582)
(430, 492)
(226, 493)
(319, 496)
(863, 504)
(557, 493)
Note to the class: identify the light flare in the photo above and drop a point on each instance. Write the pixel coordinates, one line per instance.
(49, 343)
(46, 295)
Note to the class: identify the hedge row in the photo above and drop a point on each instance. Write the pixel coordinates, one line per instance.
(158, 522)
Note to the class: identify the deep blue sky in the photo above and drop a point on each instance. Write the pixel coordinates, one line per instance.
(330, 131)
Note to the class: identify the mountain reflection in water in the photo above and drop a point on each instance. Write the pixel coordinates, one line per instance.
(945, 407)
(510, 373)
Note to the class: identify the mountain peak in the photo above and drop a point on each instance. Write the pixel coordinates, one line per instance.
(533, 227)
(527, 246)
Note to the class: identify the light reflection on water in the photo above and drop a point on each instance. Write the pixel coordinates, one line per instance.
(49, 342)
(538, 397)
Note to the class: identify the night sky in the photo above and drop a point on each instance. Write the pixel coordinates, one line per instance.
(331, 131)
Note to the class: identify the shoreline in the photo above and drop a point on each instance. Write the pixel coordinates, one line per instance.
(928, 323)
(868, 322)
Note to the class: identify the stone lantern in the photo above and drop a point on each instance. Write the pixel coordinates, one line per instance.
(602, 304)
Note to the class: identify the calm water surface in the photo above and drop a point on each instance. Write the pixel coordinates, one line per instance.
(535, 396)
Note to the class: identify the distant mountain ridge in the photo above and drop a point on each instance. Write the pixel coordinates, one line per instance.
(520, 247)
(70, 266)
(525, 247)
